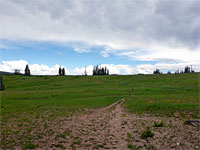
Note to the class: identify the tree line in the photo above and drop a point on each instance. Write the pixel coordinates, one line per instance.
(187, 69)
(98, 70)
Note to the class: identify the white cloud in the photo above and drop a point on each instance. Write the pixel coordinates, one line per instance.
(37, 69)
(164, 67)
(81, 71)
(106, 52)
(144, 68)
(81, 50)
(10, 66)
(167, 29)
(3, 46)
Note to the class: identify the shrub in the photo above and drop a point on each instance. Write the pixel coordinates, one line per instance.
(29, 145)
(147, 133)
(130, 146)
(156, 124)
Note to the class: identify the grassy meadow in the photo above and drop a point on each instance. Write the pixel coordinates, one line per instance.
(62, 94)
(29, 98)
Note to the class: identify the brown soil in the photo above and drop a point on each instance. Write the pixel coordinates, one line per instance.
(112, 127)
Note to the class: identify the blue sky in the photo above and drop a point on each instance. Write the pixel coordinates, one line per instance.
(129, 37)
(51, 53)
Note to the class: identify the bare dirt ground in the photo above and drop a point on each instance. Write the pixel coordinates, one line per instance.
(112, 127)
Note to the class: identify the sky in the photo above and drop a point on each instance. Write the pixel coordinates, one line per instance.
(126, 36)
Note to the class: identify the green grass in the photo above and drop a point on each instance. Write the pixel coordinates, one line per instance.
(57, 94)
(29, 102)
(166, 94)
(63, 94)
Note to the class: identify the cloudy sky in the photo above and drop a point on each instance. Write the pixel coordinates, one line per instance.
(127, 36)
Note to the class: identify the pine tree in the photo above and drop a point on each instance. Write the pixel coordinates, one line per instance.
(1, 84)
(105, 71)
(85, 72)
(187, 69)
(100, 71)
(63, 71)
(157, 71)
(27, 71)
(60, 71)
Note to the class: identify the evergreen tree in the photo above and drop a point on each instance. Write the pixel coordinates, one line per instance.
(17, 71)
(85, 72)
(169, 72)
(27, 71)
(100, 71)
(107, 72)
(1, 84)
(63, 71)
(187, 69)
(60, 71)
(94, 72)
(177, 71)
(157, 71)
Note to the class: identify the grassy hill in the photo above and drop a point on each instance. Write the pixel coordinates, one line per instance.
(64, 94)
(33, 107)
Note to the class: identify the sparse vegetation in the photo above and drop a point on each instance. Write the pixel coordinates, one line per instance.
(132, 147)
(147, 133)
(29, 145)
(156, 124)
(58, 146)
(129, 137)
(100, 145)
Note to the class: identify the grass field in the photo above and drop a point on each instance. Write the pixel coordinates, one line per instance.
(153, 93)
(27, 99)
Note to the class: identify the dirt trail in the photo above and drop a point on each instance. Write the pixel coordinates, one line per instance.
(112, 127)
(103, 128)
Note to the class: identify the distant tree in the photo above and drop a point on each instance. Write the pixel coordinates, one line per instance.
(63, 71)
(100, 71)
(169, 72)
(60, 71)
(192, 71)
(177, 71)
(17, 71)
(1, 84)
(27, 71)
(107, 72)
(157, 71)
(187, 69)
(85, 72)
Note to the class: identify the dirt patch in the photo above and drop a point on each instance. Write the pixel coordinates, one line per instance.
(112, 127)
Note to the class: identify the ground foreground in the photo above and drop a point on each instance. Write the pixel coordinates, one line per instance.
(112, 127)
(100, 112)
